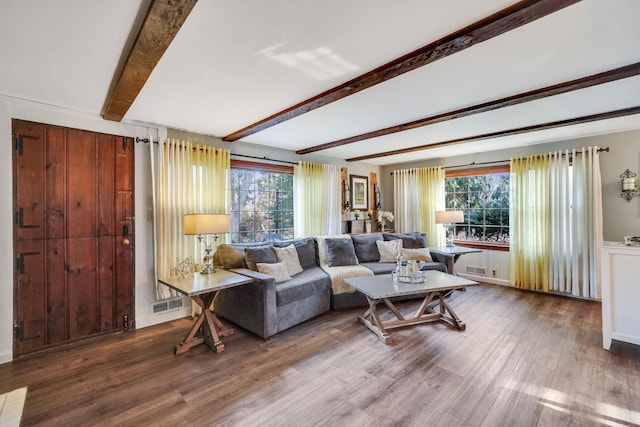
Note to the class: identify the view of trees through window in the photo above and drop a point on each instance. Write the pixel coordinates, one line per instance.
(261, 205)
(485, 202)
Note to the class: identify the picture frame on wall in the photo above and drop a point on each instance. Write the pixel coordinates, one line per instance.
(359, 192)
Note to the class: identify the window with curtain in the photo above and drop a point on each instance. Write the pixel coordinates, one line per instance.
(483, 195)
(261, 201)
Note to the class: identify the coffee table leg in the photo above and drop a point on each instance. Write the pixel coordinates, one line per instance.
(452, 318)
(372, 321)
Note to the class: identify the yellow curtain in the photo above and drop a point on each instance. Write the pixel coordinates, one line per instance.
(192, 178)
(530, 219)
(418, 193)
(317, 199)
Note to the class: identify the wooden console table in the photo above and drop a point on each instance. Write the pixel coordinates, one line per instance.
(203, 290)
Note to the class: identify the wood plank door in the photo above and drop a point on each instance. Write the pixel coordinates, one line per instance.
(73, 234)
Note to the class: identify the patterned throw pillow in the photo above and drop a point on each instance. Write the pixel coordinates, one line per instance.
(421, 254)
(389, 249)
(277, 270)
(289, 256)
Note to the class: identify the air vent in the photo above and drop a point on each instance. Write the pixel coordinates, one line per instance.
(172, 304)
(478, 271)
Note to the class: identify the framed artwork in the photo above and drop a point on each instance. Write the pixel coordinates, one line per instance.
(359, 192)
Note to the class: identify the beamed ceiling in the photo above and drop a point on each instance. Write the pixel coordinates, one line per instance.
(376, 81)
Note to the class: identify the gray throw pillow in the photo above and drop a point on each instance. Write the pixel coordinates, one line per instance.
(259, 254)
(340, 252)
(409, 240)
(306, 248)
(366, 248)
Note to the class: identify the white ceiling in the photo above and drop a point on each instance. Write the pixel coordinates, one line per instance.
(236, 62)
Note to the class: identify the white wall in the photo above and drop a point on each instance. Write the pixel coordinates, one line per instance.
(144, 280)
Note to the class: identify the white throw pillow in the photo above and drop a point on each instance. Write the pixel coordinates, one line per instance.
(421, 254)
(277, 270)
(289, 256)
(389, 249)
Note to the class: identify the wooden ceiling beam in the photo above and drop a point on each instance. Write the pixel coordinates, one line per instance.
(581, 83)
(508, 132)
(494, 25)
(162, 22)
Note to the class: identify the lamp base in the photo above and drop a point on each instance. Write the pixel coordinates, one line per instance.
(209, 269)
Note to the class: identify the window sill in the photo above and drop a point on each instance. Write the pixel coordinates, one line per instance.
(504, 247)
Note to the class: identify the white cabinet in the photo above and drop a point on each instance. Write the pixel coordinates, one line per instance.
(620, 280)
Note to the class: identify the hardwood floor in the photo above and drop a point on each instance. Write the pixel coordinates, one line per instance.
(525, 359)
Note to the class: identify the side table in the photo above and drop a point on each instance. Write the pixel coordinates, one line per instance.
(203, 290)
(456, 251)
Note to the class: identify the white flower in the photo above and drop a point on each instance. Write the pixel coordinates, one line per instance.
(384, 216)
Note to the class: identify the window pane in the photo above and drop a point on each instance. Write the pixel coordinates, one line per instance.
(261, 203)
(485, 202)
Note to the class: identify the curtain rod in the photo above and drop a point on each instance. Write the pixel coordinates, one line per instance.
(600, 150)
(146, 141)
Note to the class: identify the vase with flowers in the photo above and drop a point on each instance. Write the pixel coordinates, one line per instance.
(383, 217)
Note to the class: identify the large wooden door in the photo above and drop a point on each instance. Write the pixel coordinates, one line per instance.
(73, 234)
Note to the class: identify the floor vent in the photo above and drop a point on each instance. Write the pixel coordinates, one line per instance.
(478, 271)
(171, 304)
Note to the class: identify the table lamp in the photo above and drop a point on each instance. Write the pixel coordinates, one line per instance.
(447, 218)
(200, 224)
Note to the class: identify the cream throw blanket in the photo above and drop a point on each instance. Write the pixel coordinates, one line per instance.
(338, 274)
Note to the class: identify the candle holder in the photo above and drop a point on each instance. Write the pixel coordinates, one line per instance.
(628, 185)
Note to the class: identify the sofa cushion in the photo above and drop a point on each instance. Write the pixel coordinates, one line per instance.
(307, 251)
(366, 248)
(278, 270)
(409, 240)
(229, 256)
(389, 249)
(289, 256)
(380, 267)
(259, 254)
(310, 282)
(421, 254)
(340, 252)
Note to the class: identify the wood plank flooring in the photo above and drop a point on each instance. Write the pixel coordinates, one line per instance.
(525, 359)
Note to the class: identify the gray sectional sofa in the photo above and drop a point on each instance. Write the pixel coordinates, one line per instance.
(266, 307)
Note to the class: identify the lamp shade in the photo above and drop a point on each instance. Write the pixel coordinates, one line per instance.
(449, 217)
(206, 223)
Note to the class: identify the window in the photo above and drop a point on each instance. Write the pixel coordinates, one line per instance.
(483, 195)
(261, 202)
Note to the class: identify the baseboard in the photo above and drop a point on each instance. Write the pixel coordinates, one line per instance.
(485, 279)
(167, 316)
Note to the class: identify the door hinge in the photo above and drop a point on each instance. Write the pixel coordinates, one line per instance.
(20, 219)
(18, 142)
(20, 260)
(18, 330)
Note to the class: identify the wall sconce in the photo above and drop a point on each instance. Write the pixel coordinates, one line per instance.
(628, 185)
(346, 195)
(376, 197)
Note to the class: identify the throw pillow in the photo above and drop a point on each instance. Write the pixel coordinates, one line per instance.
(389, 249)
(421, 254)
(289, 256)
(256, 254)
(278, 270)
(409, 240)
(365, 246)
(306, 247)
(340, 252)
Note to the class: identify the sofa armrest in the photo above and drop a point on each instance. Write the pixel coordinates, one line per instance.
(251, 306)
(443, 257)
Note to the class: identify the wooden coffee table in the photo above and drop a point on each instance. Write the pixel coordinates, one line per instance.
(435, 290)
(203, 290)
